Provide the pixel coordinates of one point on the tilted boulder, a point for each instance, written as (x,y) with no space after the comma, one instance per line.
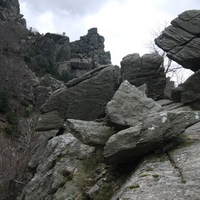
(156,131)
(90,132)
(86,99)
(190,94)
(129,106)
(181,40)
(146,69)
(174,175)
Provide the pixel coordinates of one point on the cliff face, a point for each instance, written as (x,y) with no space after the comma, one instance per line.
(10,11)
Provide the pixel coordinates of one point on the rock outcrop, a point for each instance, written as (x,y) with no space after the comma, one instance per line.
(169,132)
(10,11)
(55,46)
(74,58)
(145,70)
(181,40)
(129,106)
(87,98)
(91,46)
(173,175)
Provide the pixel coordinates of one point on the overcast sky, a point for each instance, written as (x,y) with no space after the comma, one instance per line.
(127,25)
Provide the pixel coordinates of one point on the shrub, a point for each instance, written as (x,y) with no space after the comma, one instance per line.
(4,102)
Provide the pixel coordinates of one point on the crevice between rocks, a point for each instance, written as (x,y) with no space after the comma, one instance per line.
(176,167)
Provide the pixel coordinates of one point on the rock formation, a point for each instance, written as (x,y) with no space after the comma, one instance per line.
(168,131)
(181,40)
(75,58)
(145,70)
(86,99)
(10,11)
(104,135)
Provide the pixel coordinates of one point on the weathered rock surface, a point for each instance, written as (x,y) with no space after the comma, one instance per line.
(87,99)
(156,131)
(49,121)
(174,175)
(130,106)
(188,92)
(181,40)
(60,174)
(69,169)
(91,46)
(145,70)
(55,46)
(90,132)
(10,11)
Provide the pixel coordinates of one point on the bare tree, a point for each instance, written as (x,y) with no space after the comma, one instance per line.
(172,70)
(14,157)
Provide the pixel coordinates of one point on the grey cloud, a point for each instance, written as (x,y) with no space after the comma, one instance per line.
(78,7)
(176,7)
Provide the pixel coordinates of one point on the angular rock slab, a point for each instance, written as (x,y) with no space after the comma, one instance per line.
(90,132)
(87,99)
(60,170)
(145,70)
(49,121)
(129,106)
(156,132)
(181,40)
(168,176)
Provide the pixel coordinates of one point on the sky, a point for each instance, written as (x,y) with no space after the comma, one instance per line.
(128,26)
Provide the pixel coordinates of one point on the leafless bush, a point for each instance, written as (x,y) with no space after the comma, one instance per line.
(14,157)
(172,70)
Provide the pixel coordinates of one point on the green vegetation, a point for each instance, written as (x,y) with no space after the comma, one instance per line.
(155,175)
(133,186)
(4,102)
(43,65)
(149,169)
(105,193)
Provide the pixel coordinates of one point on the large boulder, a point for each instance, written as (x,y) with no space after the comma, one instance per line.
(87,97)
(174,175)
(188,93)
(60,168)
(90,132)
(181,40)
(91,46)
(156,132)
(145,69)
(129,106)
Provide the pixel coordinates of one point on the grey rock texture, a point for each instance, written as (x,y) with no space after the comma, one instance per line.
(49,121)
(181,39)
(10,11)
(146,69)
(129,106)
(188,92)
(55,46)
(91,46)
(59,171)
(68,169)
(173,175)
(157,130)
(90,132)
(73,59)
(87,99)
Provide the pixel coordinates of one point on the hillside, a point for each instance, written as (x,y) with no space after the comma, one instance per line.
(74,126)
